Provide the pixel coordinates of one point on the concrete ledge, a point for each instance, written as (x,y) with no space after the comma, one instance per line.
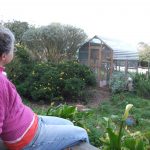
(84,146)
(81,146)
(2,147)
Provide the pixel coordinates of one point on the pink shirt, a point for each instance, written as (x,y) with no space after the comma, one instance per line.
(15,117)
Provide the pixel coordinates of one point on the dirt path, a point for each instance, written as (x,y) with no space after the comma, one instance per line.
(99,95)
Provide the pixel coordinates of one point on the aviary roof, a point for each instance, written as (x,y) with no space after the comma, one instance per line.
(121,50)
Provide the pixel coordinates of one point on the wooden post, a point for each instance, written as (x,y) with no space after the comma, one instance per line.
(100,63)
(115,62)
(119,65)
(148,68)
(126,67)
(137,68)
(89,55)
(111,64)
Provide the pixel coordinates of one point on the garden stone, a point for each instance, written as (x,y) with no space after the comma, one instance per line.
(84,146)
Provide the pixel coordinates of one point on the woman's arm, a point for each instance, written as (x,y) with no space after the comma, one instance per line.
(1,112)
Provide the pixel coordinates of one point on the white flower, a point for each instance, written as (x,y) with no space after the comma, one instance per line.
(126,113)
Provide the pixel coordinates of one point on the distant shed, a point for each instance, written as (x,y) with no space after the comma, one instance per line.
(104,55)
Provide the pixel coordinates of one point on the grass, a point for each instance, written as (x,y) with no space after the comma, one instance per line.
(114,108)
(94,122)
(40,109)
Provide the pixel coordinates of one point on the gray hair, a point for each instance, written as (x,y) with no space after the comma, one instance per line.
(7,40)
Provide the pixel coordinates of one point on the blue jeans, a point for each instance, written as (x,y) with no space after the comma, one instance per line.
(2,146)
(56,134)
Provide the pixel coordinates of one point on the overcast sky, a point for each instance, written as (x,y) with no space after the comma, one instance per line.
(127,20)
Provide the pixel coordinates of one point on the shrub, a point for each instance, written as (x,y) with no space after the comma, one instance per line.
(51,82)
(142,85)
(20,68)
(72,69)
(73,88)
(120,138)
(118,82)
(66,80)
(43,82)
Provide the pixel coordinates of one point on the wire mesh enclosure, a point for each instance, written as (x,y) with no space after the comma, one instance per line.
(104,56)
(99,57)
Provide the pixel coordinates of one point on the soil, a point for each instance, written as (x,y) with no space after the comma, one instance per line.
(99,95)
(95,97)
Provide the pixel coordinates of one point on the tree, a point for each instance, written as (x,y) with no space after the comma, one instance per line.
(144,51)
(54,42)
(18,28)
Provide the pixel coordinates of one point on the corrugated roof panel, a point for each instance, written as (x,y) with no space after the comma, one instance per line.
(122,50)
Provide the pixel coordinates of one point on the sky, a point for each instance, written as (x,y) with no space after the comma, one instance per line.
(126,20)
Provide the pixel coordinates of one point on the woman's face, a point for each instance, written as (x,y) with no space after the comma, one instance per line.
(10,55)
(7,57)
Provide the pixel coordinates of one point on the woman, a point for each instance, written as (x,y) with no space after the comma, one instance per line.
(20,127)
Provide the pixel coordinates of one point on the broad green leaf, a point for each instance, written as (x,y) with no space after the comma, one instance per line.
(113,139)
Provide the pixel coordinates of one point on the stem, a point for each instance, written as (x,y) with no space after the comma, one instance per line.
(119,135)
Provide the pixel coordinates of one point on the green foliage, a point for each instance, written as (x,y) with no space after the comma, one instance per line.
(63,111)
(69,69)
(66,80)
(54,42)
(142,85)
(122,138)
(18,28)
(105,132)
(144,52)
(19,69)
(50,82)
(95,121)
(73,87)
(68,112)
(43,82)
(143,63)
(78,118)
(118,82)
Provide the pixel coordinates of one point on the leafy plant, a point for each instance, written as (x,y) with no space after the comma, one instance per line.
(73,88)
(68,112)
(123,139)
(95,124)
(63,111)
(50,82)
(142,85)
(118,82)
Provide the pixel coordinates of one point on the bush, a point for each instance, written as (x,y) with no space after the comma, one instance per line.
(43,82)
(118,82)
(73,88)
(19,69)
(66,80)
(51,82)
(21,66)
(72,69)
(142,85)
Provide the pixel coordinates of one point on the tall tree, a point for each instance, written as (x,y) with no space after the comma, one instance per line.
(144,51)
(55,41)
(18,28)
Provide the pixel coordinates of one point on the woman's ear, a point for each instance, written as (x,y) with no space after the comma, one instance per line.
(3,57)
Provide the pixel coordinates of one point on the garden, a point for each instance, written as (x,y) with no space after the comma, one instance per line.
(53,82)
(55,89)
